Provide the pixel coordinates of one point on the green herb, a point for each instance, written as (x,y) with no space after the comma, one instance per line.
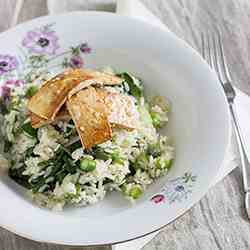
(135,86)
(29,152)
(75,146)
(65,150)
(75,50)
(141,161)
(3,106)
(156,120)
(27,128)
(12,162)
(65,63)
(31,91)
(40,182)
(99,153)
(7,146)
(61,175)
(132,169)
(135,192)
(70,166)
(154,149)
(56,168)
(44,164)
(17,175)
(87,165)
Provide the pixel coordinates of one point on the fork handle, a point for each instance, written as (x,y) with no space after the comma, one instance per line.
(243,156)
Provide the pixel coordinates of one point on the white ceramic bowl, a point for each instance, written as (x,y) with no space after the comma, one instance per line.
(199,124)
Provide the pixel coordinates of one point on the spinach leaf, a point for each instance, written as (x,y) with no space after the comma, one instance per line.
(39,183)
(17,175)
(75,146)
(7,146)
(99,153)
(27,128)
(29,152)
(135,85)
(3,106)
(69,166)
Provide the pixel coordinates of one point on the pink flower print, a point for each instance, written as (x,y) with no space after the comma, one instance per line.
(158,198)
(42,41)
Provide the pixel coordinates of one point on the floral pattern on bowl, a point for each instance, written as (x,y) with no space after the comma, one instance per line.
(176,189)
(40,50)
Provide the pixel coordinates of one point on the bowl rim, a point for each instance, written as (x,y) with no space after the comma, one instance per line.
(194,201)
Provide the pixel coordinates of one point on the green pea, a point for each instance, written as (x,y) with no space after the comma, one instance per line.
(115,155)
(163,164)
(168,163)
(87,165)
(156,119)
(135,192)
(31,91)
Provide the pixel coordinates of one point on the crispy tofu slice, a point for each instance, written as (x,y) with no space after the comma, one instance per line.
(99,79)
(106,78)
(89,115)
(52,95)
(120,108)
(85,84)
(37,121)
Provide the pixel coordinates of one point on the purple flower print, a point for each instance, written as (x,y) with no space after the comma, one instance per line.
(179,188)
(5,89)
(41,41)
(76,62)
(14,83)
(7,63)
(84,48)
(5,92)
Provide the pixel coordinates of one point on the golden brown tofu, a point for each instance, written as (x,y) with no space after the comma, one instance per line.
(106,78)
(120,108)
(53,94)
(89,115)
(37,121)
(99,80)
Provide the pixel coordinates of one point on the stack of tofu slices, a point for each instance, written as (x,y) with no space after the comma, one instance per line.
(81,95)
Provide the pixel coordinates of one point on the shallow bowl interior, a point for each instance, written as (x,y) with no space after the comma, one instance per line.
(199,127)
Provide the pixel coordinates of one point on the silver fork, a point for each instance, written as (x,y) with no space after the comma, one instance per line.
(213,53)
